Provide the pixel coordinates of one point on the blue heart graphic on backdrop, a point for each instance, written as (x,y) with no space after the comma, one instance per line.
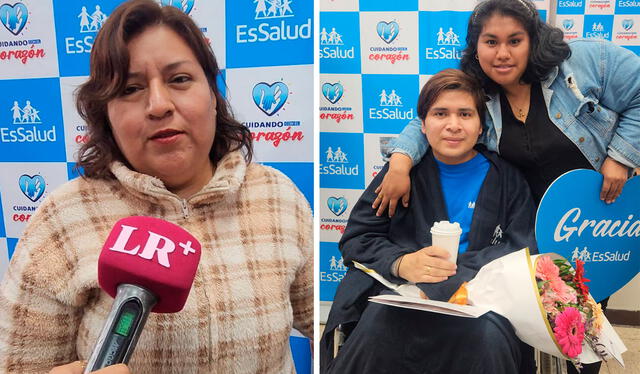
(337,205)
(567,24)
(270,97)
(14,17)
(627,24)
(573,222)
(184,5)
(332,92)
(388,31)
(32,186)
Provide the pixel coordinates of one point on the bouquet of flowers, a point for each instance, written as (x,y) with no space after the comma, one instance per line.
(571,312)
(556,314)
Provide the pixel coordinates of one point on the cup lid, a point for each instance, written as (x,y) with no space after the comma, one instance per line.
(446,227)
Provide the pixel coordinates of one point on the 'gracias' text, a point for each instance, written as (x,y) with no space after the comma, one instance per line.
(601,228)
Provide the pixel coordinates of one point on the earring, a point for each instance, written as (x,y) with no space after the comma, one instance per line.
(477,56)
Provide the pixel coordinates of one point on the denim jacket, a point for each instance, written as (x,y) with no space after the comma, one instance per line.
(593,97)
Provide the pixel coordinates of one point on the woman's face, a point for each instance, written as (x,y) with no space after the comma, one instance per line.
(452,127)
(164,122)
(503,50)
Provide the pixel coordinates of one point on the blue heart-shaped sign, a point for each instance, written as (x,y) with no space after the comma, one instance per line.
(627,24)
(388,31)
(573,222)
(567,24)
(270,97)
(332,92)
(32,186)
(337,205)
(14,17)
(183,5)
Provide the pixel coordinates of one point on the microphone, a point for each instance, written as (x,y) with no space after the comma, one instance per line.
(147,265)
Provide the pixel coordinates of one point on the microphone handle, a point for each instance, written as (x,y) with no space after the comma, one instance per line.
(123,326)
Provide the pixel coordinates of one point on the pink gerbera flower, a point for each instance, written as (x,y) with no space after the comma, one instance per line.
(569,331)
(546,269)
(564,293)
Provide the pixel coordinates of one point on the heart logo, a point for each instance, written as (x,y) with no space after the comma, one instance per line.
(388,31)
(337,205)
(567,24)
(32,186)
(627,24)
(332,92)
(573,222)
(270,97)
(14,17)
(183,5)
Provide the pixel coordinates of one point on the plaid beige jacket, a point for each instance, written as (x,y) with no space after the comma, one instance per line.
(254,282)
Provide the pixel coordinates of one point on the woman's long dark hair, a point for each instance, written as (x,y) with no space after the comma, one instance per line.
(547,47)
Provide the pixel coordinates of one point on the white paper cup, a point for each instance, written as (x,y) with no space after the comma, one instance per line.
(446,235)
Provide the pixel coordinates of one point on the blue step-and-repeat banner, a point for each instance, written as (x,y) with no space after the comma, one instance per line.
(375,56)
(261,46)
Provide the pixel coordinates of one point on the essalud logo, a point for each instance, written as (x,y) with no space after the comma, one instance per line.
(184,5)
(447,42)
(335,264)
(32,186)
(27,115)
(391,104)
(14,17)
(268,32)
(90,21)
(338,161)
(330,43)
(448,38)
(332,92)
(270,98)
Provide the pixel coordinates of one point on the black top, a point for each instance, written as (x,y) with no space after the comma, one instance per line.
(537,147)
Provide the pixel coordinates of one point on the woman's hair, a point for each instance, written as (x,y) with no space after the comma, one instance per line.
(547,49)
(109,69)
(450,79)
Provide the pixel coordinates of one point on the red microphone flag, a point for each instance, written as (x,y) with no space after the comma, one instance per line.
(152,253)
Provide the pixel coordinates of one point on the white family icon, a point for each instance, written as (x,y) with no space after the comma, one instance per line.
(91,22)
(392,99)
(337,264)
(583,255)
(330,38)
(597,27)
(275,9)
(448,38)
(27,114)
(337,156)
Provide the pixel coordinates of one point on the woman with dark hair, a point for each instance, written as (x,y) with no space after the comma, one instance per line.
(163,144)
(552,107)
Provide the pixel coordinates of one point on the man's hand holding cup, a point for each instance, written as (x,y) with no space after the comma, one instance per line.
(427,265)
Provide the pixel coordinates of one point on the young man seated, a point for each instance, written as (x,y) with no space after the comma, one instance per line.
(457,181)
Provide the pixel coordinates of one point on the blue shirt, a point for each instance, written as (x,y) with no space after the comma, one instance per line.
(461,185)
